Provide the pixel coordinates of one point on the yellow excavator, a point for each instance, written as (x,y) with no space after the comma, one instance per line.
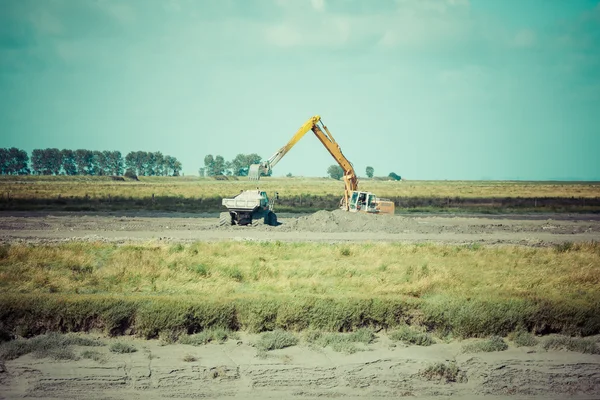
(353,200)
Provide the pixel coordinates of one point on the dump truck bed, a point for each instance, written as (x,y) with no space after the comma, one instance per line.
(241,204)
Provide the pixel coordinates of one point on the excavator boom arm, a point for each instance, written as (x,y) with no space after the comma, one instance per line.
(274,159)
(326,138)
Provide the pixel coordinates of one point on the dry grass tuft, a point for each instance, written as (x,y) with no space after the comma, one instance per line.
(580,345)
(495,343)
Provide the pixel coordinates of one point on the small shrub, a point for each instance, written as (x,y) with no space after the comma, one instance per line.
(4,250)
(189,358)
(53,345)
(234,273)
(201,269)
(312,336)
(93,355)
(521,339)
(177,248)
(411,335)
(277,339)
(563,247)
(344,347)
(342,342)
(345,252)
(362,335)
(209,335)
(494,343)
(443,372)
(580,345)
(120,347)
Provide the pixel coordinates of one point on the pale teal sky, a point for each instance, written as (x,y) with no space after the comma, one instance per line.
(429,89)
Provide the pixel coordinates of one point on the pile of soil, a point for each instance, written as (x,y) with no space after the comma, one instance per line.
(343,221)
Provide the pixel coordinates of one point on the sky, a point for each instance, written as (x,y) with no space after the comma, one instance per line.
(428,89)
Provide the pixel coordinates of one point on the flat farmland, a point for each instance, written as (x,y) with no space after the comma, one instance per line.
(133,287)
(296,194)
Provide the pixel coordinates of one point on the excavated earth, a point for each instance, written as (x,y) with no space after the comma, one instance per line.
(328,226)
(235,370)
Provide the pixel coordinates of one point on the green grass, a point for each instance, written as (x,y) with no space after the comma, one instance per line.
(159,291)
(494,343)
(53,345)
(341,342)
(580,345)
(445,372)
(277,339)
(122,348)
(412,335)
(191,194)
(521,338)
(93,355)
(211,335)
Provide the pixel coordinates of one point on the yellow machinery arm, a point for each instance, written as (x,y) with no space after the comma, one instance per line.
(350,178)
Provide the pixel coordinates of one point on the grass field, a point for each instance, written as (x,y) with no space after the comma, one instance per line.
(154,290)
(296,194)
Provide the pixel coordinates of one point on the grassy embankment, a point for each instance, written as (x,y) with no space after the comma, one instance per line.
(192,194)
(157,289)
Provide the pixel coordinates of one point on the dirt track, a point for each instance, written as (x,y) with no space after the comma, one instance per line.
(532,230)
(384,370)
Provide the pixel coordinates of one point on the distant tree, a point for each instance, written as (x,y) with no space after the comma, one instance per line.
(209,164)
(14,161)
(201,171)
(394,176)
(241,163)
(159,164)
(219,166)
(37,161)
(4,161)
(335,172)
(68,162)
(46,161)
(229,168)
(289,175)
(84,159)
(137,161)
(53,161)
(176,167)
(19,161)
(115,163)
(370,171)
(99,163)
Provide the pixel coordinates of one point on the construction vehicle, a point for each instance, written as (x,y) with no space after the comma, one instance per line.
(353,200)
(250,207)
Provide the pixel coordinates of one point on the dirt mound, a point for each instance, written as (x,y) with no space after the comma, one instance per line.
(343,221)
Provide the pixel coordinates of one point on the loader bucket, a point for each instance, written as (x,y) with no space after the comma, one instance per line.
(254,172)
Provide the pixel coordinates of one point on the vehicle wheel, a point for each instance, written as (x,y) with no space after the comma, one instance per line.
(225,219)
(271,219)
(258,221)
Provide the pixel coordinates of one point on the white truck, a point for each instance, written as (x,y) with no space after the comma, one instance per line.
(250,207)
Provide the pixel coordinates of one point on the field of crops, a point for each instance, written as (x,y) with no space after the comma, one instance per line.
(296,194)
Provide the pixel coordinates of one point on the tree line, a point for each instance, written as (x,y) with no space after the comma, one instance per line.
(53,161)
(337,172)
(239,166)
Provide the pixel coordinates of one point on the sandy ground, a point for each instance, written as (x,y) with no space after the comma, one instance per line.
(233,370)
(533,230)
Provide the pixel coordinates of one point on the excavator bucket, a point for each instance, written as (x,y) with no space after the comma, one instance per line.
(254,172)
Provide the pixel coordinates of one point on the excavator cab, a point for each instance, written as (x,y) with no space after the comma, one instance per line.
(363,201)
(369,203)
